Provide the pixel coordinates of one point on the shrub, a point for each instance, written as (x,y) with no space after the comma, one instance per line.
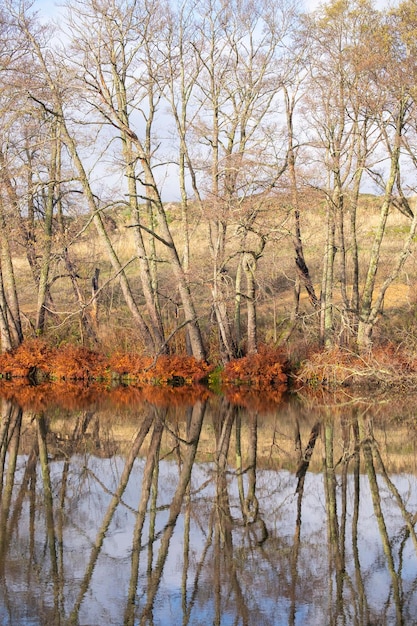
(336,367)
(266,369)
(29,358)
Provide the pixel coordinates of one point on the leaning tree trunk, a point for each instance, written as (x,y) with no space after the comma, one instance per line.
(5,334)
(300,262)
(190,313)
(367,312)
(129,157)
(11,308)
(115,262)
(92,205)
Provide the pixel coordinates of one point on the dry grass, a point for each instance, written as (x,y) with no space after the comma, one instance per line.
(275,274)
(385,367)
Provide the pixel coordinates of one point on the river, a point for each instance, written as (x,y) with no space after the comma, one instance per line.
(210,513)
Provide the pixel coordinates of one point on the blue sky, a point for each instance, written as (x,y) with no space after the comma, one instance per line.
(50,7)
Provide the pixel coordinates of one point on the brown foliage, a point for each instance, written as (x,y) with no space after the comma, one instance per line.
(37,360)
(184,367)
(164,370)
(77,363)
(125,364)
(23,361)
(383,366)
(262,371)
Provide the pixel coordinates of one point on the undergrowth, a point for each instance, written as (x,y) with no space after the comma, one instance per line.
(257,381)
(383,366)
(37,361)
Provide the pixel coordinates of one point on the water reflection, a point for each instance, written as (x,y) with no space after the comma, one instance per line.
(207,514)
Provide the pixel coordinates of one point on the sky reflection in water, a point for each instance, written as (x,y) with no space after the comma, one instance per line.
(196,519)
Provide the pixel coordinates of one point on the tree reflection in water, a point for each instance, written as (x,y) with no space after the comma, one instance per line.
(206,514)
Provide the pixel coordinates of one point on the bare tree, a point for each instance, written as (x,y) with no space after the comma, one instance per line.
(121,79)
(359,120)
(224,107)
(12,54)
(394,73)
(54,81)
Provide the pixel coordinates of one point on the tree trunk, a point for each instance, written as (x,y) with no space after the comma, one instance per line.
(300,262)
(238,305)
(149,290)
(5,334)
(227,345)
(10,305)
(326,297)
(43,288)
(367,316)
(249,265)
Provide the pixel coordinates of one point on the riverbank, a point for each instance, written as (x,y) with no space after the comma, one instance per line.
(255,380)
(37,361)
(270,370)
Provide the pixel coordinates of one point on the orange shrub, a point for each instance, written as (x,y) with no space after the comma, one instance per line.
(165,369)
(168,368)
(30,356)
(260,371)
(125,364)
(78,363)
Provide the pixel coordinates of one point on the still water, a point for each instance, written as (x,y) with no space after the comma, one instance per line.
(209,513)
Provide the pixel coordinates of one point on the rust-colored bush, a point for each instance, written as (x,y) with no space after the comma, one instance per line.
(163,370)
(23,361)
(36,359)
(170,368)
(77,363)
(128,364)
(265,370)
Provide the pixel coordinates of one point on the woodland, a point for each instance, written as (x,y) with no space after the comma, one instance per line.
(230,183)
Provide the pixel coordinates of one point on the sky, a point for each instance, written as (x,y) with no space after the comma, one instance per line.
(50,7)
